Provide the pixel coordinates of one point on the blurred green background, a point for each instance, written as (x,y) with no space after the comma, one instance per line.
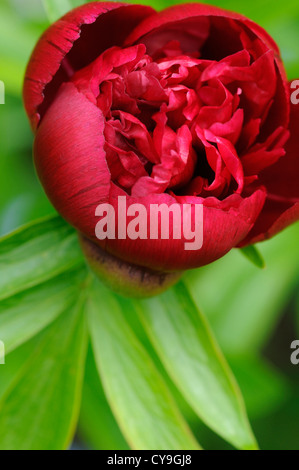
(254,313)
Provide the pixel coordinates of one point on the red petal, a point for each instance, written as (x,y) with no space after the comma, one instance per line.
(70,158)
(193,10)
(59,52)
(282,184)
(225,223)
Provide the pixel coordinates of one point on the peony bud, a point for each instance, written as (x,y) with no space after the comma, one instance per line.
(188,106)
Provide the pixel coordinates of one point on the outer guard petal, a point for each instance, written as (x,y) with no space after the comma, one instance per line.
(224,225)
(70,159)
(72,43)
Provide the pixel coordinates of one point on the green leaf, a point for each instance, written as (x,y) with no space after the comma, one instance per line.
(14,365)
(97,425)
(244,304)
(142,404)
(188,350)
(264,388)
(26,314)
(57,8)
(36,253)
(39,409)
(253,254)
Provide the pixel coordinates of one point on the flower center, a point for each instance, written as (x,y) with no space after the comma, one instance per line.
(183,124)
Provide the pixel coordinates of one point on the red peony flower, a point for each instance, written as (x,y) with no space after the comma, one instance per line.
(187,106)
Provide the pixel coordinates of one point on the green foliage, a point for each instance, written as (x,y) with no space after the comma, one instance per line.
(244,304)
(252,253)
(191,356)
(35,254)
(45,393)
(23,315)
(59,292)
(142,404)
(57,8)
(94,410)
